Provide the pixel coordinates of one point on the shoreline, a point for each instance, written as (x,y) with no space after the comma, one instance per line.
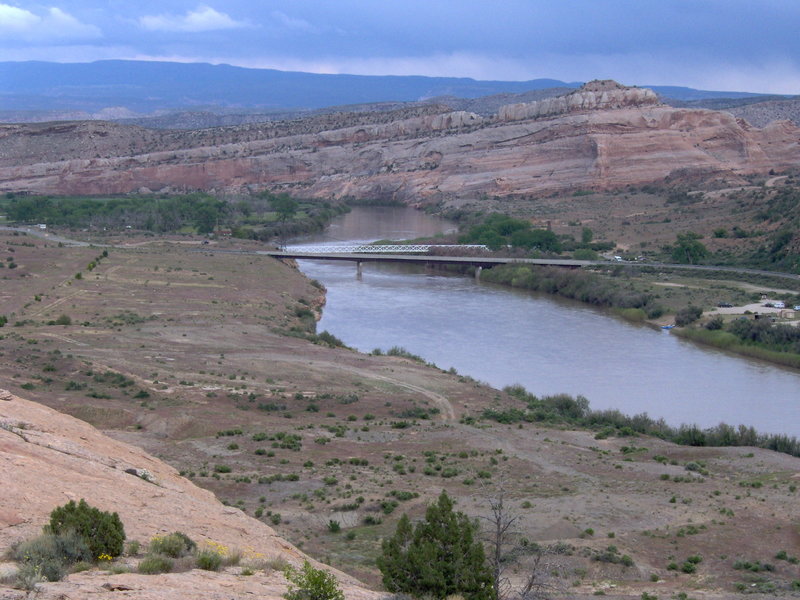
(639,315)
(725,341)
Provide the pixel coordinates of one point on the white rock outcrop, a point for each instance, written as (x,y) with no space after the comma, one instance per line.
(595,95)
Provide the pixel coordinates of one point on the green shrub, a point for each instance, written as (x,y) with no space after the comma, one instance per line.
(50,556)
(687,315)
(102,531)
(309,583)
(403,495)
(152,565)
(173,545)
(133,548)
(209,560)
(585,254)
(611,555)
(28,575)
(695,559)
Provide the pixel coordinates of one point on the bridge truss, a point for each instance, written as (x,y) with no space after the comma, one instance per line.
(382,248)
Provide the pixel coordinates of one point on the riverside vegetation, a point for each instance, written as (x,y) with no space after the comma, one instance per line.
(563,409)
(263,216)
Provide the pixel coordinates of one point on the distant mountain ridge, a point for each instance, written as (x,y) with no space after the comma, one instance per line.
(147,86)
(127,88)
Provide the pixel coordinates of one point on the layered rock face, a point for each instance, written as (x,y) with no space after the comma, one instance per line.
(595,95)
(603,136)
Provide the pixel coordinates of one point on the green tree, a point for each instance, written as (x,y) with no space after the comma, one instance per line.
(207,216)
(540,239)
(586,236)
(688,249)
(440,556)
(102,531)
(284,205)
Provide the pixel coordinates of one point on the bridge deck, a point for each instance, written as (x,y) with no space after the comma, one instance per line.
(488,262)
(475,261)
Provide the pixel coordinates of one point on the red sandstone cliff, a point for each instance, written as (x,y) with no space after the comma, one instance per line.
(602,136)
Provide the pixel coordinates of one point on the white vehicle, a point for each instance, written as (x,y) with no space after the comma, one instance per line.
(779,304)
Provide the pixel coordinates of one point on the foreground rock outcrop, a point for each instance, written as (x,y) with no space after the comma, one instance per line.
(47,459)
(603,136)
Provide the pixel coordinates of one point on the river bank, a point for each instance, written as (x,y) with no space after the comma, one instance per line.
(730,343)
(640,301)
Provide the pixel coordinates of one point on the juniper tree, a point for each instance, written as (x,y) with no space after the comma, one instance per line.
(439,556)
(102,531)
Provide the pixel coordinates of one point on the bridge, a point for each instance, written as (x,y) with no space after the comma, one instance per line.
(367,253)
(385,248)
(414,254)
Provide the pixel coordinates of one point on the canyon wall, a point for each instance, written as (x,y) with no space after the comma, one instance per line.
(603,136)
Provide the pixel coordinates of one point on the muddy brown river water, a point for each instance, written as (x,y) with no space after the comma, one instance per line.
(549,345)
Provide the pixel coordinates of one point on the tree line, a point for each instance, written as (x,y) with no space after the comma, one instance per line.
(260,216)
(575,284)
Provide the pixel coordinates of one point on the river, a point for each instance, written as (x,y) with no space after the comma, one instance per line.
(549,345)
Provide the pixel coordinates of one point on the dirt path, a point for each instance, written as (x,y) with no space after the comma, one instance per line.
(64,338)
(442,403)
(51,305)
(773,180)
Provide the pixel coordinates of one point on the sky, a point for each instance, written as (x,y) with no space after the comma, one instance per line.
(733,45)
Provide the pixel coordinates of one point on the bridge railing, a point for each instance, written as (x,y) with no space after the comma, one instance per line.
(382,248)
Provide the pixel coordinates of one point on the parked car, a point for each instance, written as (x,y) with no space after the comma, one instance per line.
(725,305)
(779,304)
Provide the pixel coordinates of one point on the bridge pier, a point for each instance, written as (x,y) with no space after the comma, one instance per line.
(478,270)
(358,269)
